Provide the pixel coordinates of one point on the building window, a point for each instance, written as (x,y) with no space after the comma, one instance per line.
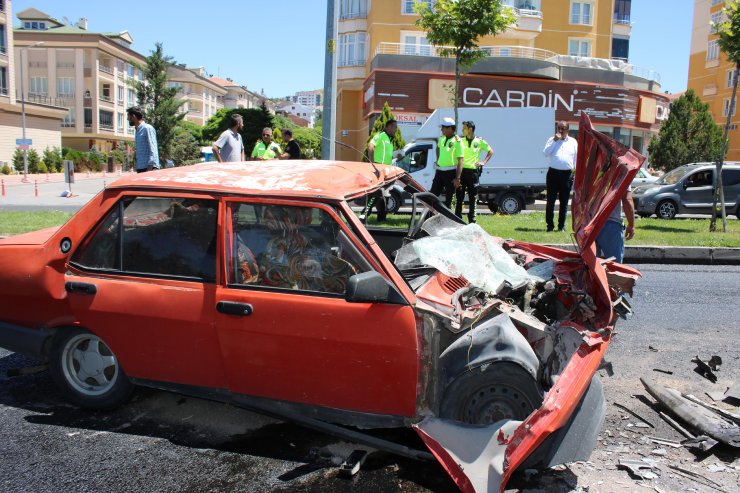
(580,13)
(3,81)
(350,9)
(69,118)
(38,86)
(620,49)
(579,47)
(38,26)
(726,107)
(130,70)
(106,119)
(730,78)
(415,44)
(407,6)
(715,22)
(713,51)
(119,117)
(65,87)
(131,97)
(3,43)
(352,49)
(622,11)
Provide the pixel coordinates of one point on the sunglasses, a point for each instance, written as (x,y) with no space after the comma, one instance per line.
(562,128)
(266,135)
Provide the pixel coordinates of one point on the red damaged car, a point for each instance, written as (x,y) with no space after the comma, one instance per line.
(258,285)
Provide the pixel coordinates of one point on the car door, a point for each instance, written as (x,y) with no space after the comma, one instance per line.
(698,192)
(285,329)
(144,281)
(419,163)
(731,188)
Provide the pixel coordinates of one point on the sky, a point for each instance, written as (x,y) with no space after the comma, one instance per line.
(279,46)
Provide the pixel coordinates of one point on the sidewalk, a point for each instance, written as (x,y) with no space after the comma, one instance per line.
(22,196)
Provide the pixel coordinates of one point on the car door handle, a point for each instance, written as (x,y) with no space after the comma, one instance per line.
(80,287)
(234,308)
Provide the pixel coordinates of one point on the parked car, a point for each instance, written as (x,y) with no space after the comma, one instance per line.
(689,189)
(235,282)
(643,178)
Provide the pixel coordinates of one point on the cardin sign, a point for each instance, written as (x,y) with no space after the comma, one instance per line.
(606,105)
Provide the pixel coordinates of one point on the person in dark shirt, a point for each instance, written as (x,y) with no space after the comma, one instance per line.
(292,149)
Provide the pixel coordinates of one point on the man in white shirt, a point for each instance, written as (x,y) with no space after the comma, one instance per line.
(229,147)
(560,151)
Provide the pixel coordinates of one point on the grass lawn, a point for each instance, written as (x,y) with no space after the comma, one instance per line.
(523,227)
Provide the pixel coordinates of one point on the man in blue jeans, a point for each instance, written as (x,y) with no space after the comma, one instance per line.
(610,242)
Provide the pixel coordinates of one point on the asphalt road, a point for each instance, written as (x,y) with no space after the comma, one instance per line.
(166,442)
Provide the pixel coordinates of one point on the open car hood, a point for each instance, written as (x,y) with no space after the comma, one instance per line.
(604,170)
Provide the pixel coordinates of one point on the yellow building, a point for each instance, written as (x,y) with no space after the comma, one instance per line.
(710,73)
(557,47)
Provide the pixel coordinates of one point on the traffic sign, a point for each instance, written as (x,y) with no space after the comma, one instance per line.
(23,147)
(23,142)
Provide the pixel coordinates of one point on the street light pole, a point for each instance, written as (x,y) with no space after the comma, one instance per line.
(23,113)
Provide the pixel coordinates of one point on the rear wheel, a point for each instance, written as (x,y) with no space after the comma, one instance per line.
(86,370)
(510,203)
(502,390)
(666,209)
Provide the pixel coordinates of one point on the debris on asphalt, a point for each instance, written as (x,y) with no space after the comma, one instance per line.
(633,413)
(698,416)
(696,477)
(733,393)
(652,349)
(666,442)
(638,468)
(667,372)
(716,396)
(701,443)
(722,412)
(676,425)
(659,452)
(351,465)
(714,362)
(705,370)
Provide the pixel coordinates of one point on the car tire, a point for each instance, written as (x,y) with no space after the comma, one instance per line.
(487,394)
(666,209)
(86,370)
(644,214)
(737,212)
(393,202)
(493,206)
(510,203)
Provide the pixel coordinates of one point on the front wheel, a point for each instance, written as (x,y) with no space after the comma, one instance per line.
(666,209)
(503,390)
(493,206)
(86,370)
(393,202)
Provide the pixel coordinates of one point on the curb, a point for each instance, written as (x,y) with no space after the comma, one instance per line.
(645,254)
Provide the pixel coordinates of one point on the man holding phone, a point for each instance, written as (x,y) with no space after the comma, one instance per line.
(560,151)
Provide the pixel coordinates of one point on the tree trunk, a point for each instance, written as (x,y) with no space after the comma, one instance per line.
(719,194)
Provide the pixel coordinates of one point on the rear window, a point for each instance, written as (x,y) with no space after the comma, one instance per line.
(730,177)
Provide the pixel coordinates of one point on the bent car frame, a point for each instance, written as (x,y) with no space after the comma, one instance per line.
(244,283)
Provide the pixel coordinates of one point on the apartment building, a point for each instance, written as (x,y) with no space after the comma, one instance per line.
(710,73)
(572,55)
(238,96)
(87,72)
(42,120)
(313,99)
(302,111)
(201,97)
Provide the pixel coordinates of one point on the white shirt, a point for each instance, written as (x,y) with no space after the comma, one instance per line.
(561,153)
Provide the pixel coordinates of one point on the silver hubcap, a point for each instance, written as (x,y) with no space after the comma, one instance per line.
(509,205)
(89,365)
(667,209)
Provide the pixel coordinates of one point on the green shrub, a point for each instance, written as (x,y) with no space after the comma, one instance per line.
(5,169)
(53,159)
(18,160)
(42,168)
(33,161)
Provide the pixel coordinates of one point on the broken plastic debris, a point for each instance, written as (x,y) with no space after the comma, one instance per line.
(705,370)
(639,468)
(463,251)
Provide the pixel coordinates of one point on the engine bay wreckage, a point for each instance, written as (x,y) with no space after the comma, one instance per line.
(520,330)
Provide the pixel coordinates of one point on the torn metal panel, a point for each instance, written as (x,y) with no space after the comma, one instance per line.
(472,455)
(698,416)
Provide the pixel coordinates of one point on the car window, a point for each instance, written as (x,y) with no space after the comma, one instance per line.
(289,247)
(673,176)
(700,179)
(415,159)
(155,236)
(730,177)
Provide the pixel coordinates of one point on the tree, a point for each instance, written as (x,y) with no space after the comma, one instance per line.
(158,102)
(309,139)
(688,135)
(378,126)
(729,43)
(53,159)
(458,25)
(185,149)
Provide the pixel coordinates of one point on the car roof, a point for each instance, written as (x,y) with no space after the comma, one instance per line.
(293,178)
(726,163)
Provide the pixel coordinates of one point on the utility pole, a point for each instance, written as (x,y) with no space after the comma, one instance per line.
(330,82)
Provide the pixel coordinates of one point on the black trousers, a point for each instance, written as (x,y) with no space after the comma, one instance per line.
(559,183)
(468,184)
(443,183)
(378,201)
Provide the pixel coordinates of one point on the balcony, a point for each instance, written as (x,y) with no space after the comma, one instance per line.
(622,25)
(105,126)
(65,65)
(68,124)
(357,14)
(517,61)
(106,69)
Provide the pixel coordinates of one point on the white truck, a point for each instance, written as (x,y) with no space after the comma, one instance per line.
(516,173)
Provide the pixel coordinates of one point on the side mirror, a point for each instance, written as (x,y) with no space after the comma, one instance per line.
(370,287)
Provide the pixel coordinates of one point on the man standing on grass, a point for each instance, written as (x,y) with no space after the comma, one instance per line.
(561,152)
(380,150)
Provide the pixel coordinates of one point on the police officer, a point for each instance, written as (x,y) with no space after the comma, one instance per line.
(449,164)
(473,146)
(265,148)
(380,148)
